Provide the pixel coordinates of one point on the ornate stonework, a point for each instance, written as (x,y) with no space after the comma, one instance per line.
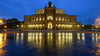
(50,18)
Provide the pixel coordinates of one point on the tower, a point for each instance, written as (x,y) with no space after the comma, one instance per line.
(50,4)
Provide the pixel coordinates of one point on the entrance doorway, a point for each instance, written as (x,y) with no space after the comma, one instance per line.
(50,26)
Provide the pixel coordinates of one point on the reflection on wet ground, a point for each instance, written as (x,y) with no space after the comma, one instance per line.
(3,44)
(50,44)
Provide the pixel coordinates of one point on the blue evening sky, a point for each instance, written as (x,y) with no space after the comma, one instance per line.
(86,10)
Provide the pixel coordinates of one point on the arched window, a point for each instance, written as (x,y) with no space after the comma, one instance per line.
(40,19)
(43,18)
(56,18)
(49,18)
(50,26)
(37,19)
(59,18)
(63,19)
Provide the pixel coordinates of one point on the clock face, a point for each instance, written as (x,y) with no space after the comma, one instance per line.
(49,18)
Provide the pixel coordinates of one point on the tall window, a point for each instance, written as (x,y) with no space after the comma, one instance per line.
(59,18)
(37,19)
(56,18)
(62,19)
(43,18)
(40,19)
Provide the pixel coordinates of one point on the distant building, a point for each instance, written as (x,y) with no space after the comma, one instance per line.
(13,23)
(88,27)
(2,21)
(97,23)
(50,18)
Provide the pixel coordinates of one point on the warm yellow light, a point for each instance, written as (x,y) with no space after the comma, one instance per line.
(59,19)
(62,34)
(49,18)
(40,33)
(30,36)
(17,25)
(1,36)
(22,26)
(59,25)
(40,19)
(70,34)
(96,26)
(36,33)
(78,36)
(50,34)
(56,19)
(5,26)
(83,36)
(2,41)
(1,21)
(43,24)
(63,19)
(82,25)
(66,34)
(69,26)
(40,25)
(36,19)
(43,19)
(56,24)
(97,23)
(78,25)
(59,34)
(50,25)
(37,25)
(30,26)
(62,25)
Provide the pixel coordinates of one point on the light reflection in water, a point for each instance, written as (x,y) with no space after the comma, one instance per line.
(60,43)
(22,38)
(17,37)
(96,42)
(81,36)
(50,39)
(30,36)
(35,39)
(93,37)
(97,53)
(78,36)
(63,39)
(97,37)
(2,43)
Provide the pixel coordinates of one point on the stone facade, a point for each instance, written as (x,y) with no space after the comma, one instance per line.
(50,18)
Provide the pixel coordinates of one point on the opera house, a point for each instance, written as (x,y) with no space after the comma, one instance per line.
(50,18)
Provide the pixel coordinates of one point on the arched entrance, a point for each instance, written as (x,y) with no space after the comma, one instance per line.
(50,26)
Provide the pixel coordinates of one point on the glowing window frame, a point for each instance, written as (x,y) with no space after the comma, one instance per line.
(49,18)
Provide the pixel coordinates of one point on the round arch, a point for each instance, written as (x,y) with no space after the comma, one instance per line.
(50,26)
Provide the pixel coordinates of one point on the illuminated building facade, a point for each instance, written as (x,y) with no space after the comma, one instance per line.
(97,23)
(50,18)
